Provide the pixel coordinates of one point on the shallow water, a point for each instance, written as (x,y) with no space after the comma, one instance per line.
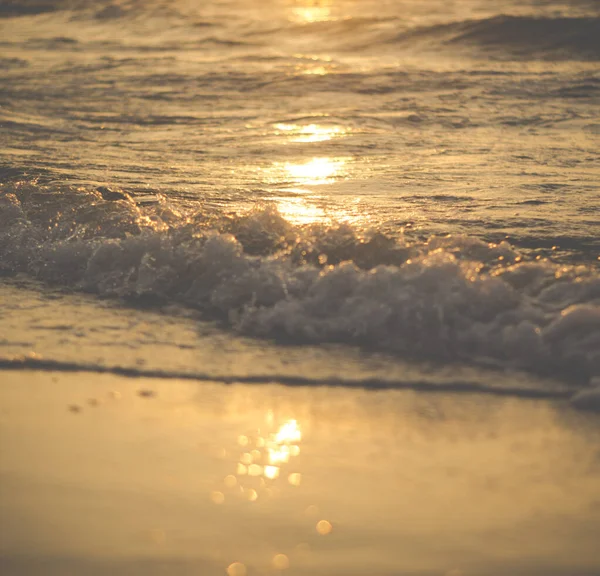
(413,179)
(103,475)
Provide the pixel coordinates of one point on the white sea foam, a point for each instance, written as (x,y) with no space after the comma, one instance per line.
(448,299)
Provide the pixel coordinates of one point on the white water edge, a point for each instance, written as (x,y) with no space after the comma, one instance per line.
(54,330)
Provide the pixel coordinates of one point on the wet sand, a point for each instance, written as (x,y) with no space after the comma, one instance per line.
(107,475)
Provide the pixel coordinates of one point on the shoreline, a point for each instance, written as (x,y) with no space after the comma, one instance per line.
(36,364)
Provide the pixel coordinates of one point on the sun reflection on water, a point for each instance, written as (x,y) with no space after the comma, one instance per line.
(299,211)
(313,172)
(310,132)
(309,14)
(315,71)
(249,480)
(274,444)
(316,171)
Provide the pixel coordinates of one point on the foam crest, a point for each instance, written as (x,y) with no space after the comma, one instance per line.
(448,299)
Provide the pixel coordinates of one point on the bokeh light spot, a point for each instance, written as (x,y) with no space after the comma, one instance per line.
(236,569)
(217,497)
(230,481)
(271,472)
(324,527)
(295,479)
(281,562)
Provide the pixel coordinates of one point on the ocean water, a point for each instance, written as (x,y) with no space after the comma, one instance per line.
(357,192)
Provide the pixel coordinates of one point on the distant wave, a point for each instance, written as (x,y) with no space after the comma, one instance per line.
(522,36)
(503,36)
(98,9)
(448,299)
(10,8)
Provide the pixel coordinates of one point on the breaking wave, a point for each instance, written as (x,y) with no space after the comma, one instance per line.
(446,299)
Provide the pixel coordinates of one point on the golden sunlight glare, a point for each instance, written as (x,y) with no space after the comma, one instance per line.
(316,171)
(311,132)
(298,211)
(288,433)
(308,14)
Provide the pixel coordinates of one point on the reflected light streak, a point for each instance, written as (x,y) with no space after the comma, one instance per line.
(289,433)
(298,211)
(316,171)
(279,455)
(271,472)
(316,71)
(311,132)
(250,479)
(308,14)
